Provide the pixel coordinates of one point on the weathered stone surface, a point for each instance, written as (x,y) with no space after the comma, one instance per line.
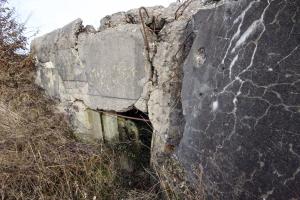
(114,66)
(86,122)
(241,100)
(165,110)
(105,70)
(111,129)
(65,38)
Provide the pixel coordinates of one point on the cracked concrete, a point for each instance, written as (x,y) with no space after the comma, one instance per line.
(108,69)
(92,66)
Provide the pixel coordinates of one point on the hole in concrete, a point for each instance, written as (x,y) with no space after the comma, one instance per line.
(134,148)
(141,121)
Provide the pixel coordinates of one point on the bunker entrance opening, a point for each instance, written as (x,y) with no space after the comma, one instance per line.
(136,130)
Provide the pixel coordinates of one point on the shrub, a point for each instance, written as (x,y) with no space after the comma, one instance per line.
(11,34)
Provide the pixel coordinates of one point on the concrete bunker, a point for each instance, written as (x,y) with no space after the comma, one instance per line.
(100,76)
(218,96)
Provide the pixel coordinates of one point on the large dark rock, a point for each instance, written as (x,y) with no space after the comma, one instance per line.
(241,99)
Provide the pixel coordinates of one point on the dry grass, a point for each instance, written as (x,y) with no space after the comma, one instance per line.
(175,183)
(39,158)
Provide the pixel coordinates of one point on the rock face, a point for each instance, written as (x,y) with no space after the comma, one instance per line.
(241,100)
(219,81)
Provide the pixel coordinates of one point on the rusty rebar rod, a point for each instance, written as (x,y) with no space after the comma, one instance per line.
(183,6)
(124,116)
(146,41)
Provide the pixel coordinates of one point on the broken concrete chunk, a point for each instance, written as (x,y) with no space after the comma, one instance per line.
(63,38)
(108,65)
(110,128)
(87,123)
(96,125)
(114,64)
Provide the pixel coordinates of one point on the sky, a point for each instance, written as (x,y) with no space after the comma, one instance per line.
(43,16)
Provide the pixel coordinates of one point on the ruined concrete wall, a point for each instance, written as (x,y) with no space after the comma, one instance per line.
(220,84)
(112,70)
(97,68)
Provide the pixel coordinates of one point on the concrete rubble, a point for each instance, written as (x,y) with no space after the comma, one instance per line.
(110,70)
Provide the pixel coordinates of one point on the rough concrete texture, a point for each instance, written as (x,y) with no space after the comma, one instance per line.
(105,70)
(241,101)
(108,69)
(110,126)
(87,122)
(169,46)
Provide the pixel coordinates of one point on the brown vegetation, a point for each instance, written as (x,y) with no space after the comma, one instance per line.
(39,157)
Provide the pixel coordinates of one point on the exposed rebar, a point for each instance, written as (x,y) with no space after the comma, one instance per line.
(146,41)
(124,116)
(182,8)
